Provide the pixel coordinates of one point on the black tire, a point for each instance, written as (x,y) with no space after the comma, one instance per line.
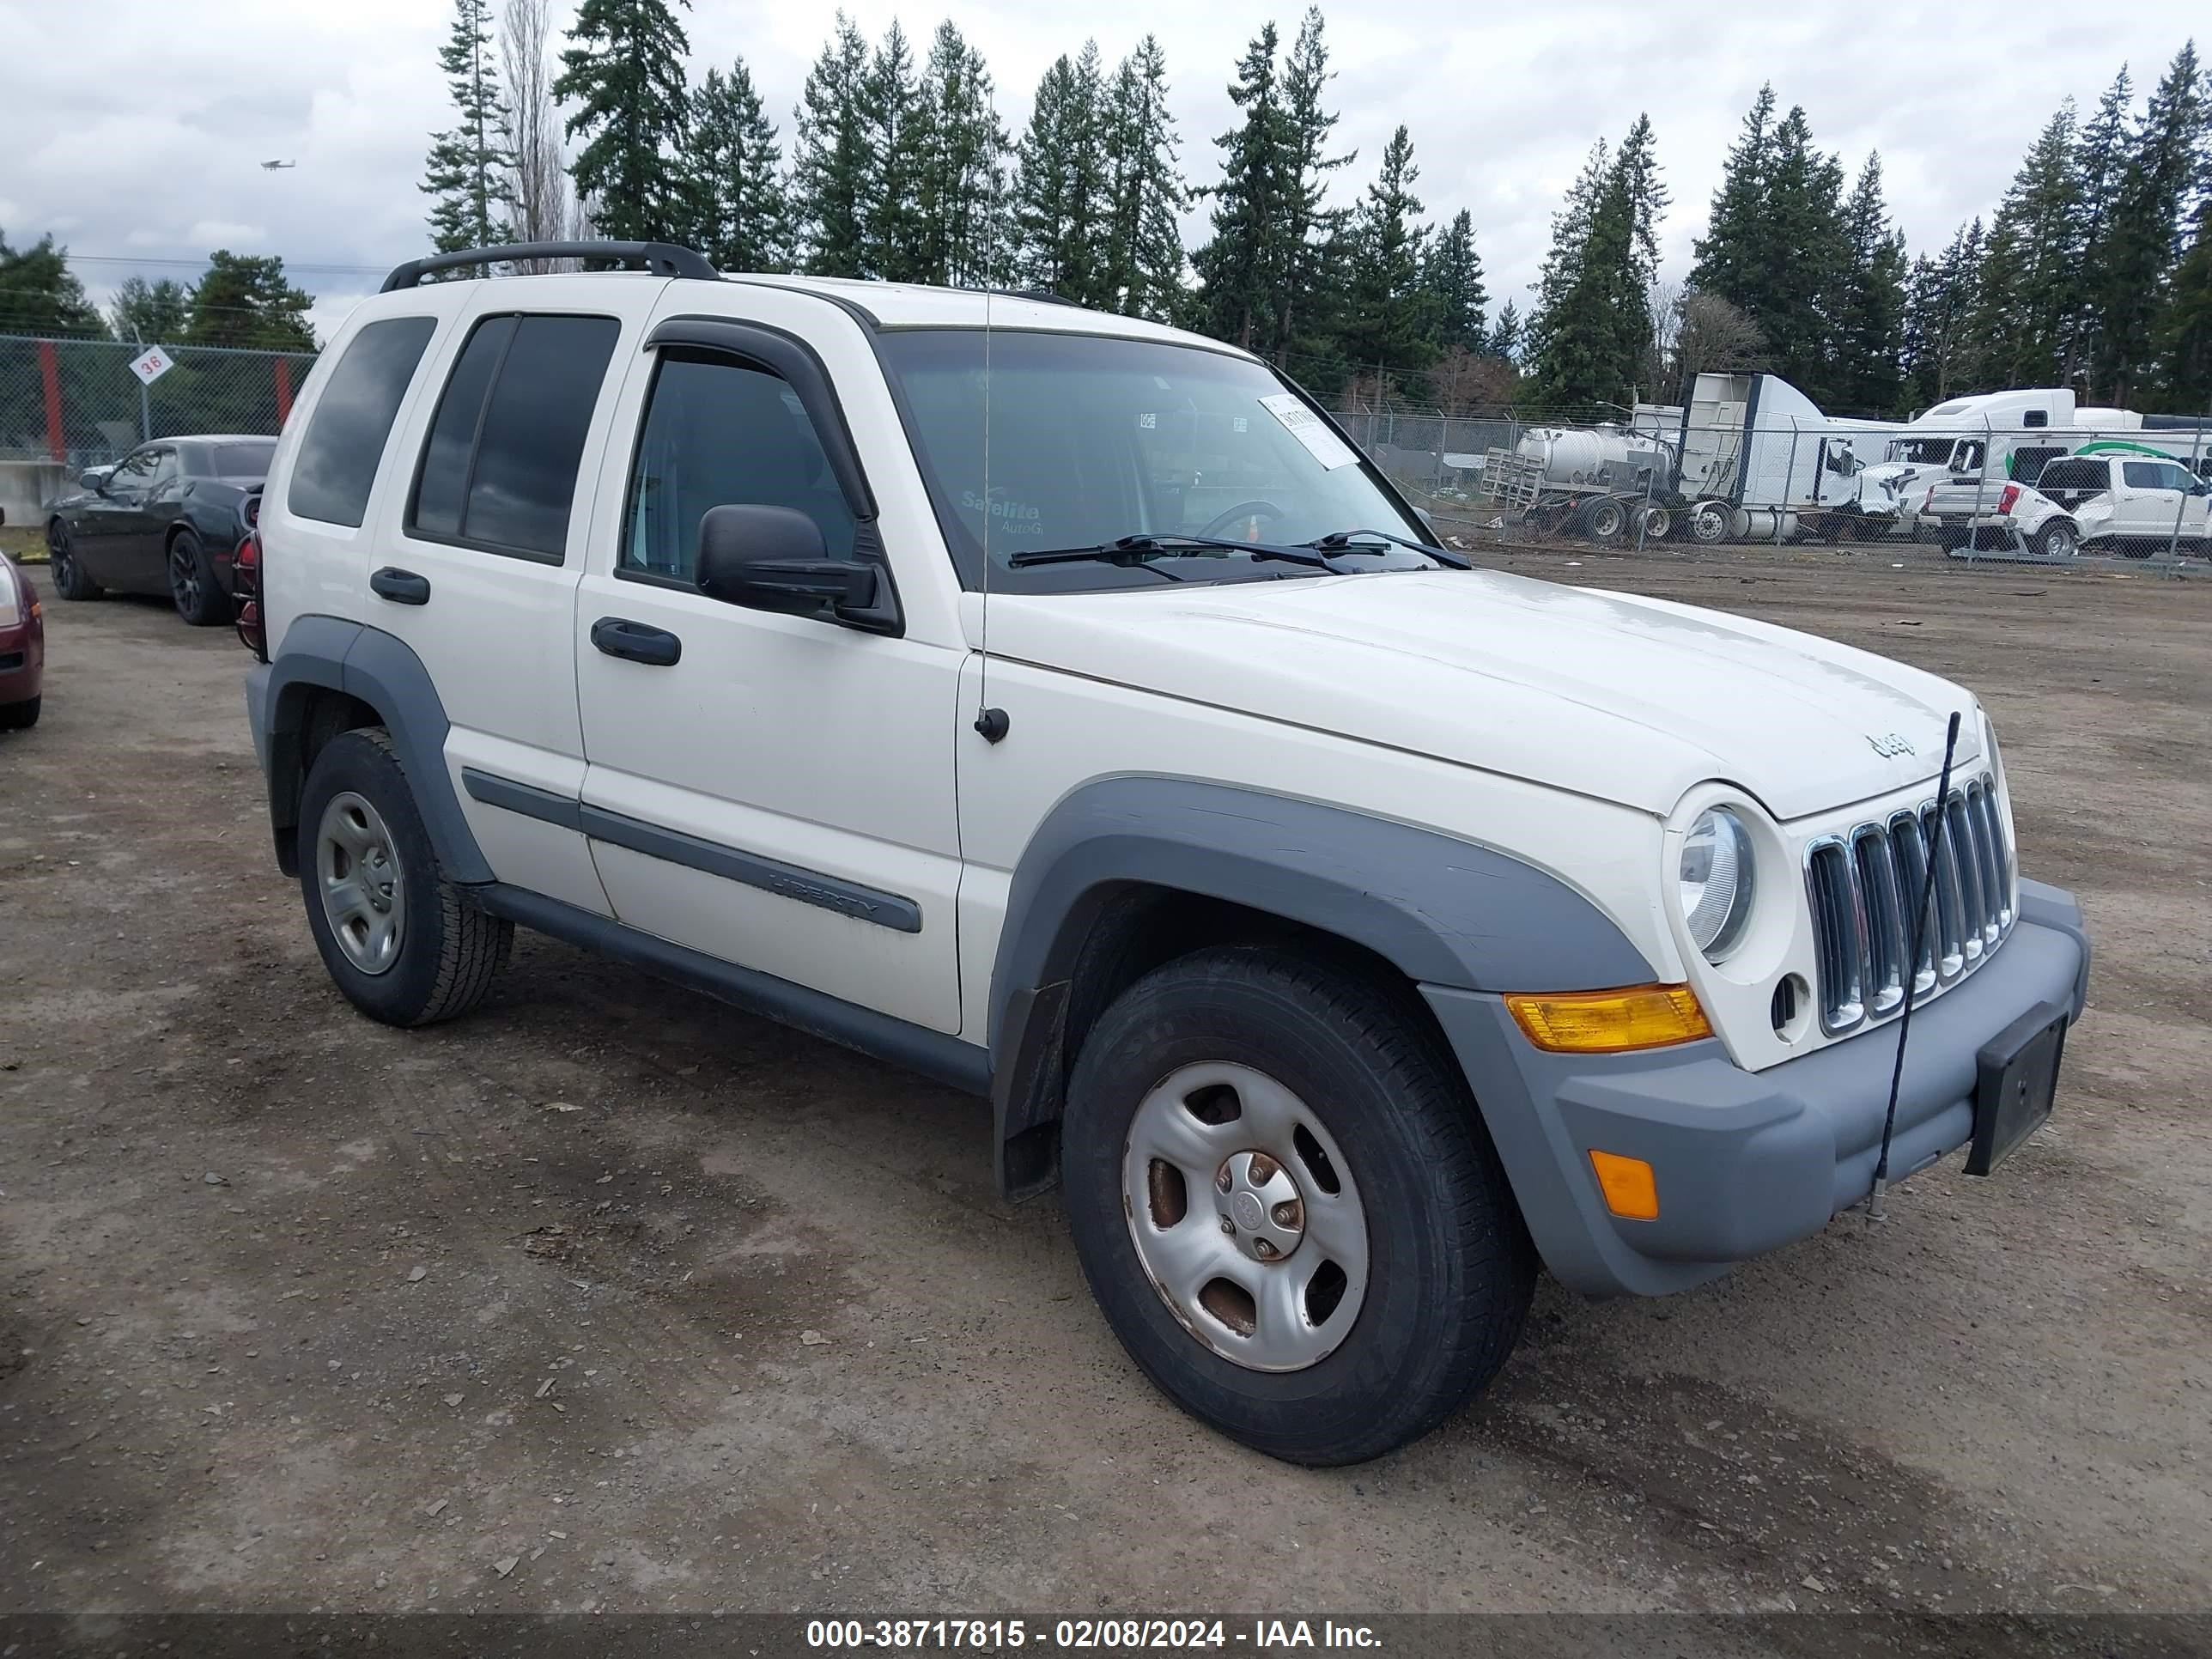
(449,950)
(194,589)
(70,581)
(2057,540)
(1451,1268)
(20,716)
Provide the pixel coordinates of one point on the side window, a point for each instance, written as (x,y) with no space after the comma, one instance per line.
(499,468)
(718,433)
(2027,465)
(336,467)
(2036,417)
(136,471)
(2143,474)
(165,469)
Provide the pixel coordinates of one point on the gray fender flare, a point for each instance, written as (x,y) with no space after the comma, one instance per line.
(1443,911)
(383,672)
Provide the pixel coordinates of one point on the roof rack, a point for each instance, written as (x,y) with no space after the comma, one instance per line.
(1043,296)
(662,258)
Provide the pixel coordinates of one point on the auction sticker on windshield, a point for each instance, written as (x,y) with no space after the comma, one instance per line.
(1309,429)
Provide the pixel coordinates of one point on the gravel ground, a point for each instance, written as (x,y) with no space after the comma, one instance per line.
(610,1298)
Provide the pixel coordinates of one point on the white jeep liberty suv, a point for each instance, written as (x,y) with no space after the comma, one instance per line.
(1056,705)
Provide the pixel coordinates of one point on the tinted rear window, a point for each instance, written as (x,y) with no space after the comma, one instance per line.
(2073,475)
(241,460)
(337,464)
(499,470)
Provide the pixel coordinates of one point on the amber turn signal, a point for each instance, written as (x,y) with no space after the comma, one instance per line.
(1631,1190)
(1610,1022)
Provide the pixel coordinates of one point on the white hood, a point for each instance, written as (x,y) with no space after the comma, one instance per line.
(1624,699)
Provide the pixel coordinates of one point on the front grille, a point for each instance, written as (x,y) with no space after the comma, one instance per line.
(1863,887)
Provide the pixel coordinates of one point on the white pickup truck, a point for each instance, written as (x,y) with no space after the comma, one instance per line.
(1058,705)
(2134,503)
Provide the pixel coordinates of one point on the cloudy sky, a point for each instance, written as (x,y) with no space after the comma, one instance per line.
(132,129)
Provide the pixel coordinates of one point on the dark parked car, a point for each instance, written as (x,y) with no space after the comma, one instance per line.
(166,519)
(22,647)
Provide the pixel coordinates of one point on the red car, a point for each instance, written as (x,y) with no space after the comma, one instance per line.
(22,647)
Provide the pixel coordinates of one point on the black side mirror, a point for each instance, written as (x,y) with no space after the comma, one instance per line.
(773,558)
(94,479)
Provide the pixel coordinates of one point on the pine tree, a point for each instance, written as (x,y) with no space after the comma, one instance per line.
(2163,168)
(960,195)
(625,73)
(1940,300)
(470,165)
(2030,265)
(1639,165)
(1061,211)
(244,300)
(1315,250)
(1388,317)
(2185,334)
(1592,328)
(2100,156)
(833,168)
(153,312)
(1240,266)
(892,231)
(1145,188)
(1732,253)
(40,294)
(741,220)
(1452,273)
(1506,334)
(1869,314)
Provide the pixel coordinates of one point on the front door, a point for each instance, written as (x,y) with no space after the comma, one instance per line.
(105,532)
(774,790)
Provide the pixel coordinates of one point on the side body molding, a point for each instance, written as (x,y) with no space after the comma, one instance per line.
(384,673)
(1442,910)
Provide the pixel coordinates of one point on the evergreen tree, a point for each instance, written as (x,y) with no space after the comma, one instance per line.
(243,299)
(2100,156)
(2185,335)
(1639,165)
(2163,169)
(1941,300)
(832,167)
(625,74)
(1593,327)
(2030,266)
(1061,210)
(960,195)
(1315,252)
(1731,253)
(470,165)
(1452,273)
(1869,315)
(1239,265)
(1505,335)
(154,312)
(40,295)
(1146,190)
(893,234)
(740,219)
(1389,315)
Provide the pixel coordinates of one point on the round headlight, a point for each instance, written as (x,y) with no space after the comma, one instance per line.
(1716,881)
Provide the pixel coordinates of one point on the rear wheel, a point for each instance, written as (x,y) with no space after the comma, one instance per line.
(2056,540)
(1604,520)
(405,945)
(1287,1207)
(200,597)
(70,581)
(1657,523)
(17,716)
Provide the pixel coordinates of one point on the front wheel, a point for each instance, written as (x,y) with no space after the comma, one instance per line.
(1287,1207)
(1709,523)
(71,581)
(405,945)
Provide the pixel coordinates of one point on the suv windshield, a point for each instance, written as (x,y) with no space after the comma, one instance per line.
(1094,438)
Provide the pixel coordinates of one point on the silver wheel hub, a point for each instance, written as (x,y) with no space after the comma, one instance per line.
(1245,1216)
(362,887)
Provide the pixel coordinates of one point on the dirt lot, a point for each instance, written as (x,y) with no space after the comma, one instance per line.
(610,1298)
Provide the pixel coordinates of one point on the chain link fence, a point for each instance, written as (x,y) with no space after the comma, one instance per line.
(2127,495)
(75,403)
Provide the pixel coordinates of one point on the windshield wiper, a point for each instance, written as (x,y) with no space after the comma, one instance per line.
(1339,541)
(1137,549)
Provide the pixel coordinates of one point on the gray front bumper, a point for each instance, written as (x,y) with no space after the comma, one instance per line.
(1745,1161)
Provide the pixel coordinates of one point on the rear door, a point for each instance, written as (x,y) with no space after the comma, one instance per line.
(480,545)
